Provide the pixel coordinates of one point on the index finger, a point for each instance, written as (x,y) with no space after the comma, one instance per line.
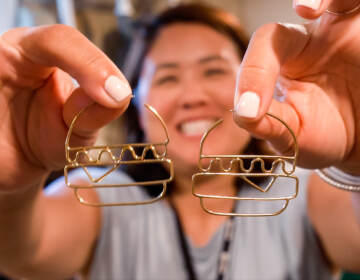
(311,9)
(269,51)
(270,48)
(65,47)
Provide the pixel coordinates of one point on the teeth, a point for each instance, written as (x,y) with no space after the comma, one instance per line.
(197,127)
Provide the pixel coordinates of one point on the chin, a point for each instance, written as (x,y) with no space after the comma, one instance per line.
(185,163)
(186,171)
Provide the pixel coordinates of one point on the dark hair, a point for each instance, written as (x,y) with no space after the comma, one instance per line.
(215,18)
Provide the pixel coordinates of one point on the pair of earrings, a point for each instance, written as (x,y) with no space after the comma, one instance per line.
(86,157)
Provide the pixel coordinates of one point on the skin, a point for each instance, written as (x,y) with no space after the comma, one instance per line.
(318,66)
(279,53)
(190,79)
(37,102)
(185,78)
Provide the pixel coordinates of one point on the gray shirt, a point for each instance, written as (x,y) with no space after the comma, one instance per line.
(142,242)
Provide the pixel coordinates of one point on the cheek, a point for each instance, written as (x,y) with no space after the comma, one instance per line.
(163,102)
(223,92)
(152,127)
(225,100)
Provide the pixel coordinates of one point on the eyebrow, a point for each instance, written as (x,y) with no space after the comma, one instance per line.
(211,58)
(174,65)
(170,65)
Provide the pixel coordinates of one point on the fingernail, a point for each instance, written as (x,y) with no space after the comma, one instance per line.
(118,89)
(248,105)
(312,4)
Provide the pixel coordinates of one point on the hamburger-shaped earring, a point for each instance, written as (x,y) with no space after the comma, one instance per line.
(112,157)
(266,183)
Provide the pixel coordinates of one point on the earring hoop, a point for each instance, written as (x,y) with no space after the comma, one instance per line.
(113,156)
(348,12)
(236,168)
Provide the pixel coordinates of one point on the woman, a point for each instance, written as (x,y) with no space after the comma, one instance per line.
(188,75)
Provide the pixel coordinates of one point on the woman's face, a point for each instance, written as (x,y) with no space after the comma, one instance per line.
(189,78)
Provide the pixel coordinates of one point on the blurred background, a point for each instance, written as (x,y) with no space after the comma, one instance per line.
(111,25)
(102,20)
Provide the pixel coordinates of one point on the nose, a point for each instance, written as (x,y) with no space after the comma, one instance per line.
(193,94)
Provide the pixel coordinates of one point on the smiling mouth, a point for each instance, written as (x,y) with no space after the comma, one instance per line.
(196,127)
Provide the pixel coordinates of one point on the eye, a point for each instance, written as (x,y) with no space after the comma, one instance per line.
(166,80)
(215,72)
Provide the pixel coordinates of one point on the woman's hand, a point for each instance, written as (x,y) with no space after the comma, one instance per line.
(38,99)
(316,69)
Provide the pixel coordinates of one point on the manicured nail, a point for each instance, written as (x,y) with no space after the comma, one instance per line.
(312,4)
(248,105)
(118,89)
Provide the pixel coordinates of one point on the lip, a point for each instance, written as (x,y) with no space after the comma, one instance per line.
(193,117)
(180,130)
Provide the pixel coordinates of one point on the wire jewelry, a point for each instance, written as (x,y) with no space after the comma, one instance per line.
(236,168)
(348,12)
(113,156)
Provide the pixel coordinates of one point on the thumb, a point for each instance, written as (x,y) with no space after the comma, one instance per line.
(66,48)
(272,47)
(311,9)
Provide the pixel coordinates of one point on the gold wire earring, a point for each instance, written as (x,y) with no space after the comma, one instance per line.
(113,155)
(236,168)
